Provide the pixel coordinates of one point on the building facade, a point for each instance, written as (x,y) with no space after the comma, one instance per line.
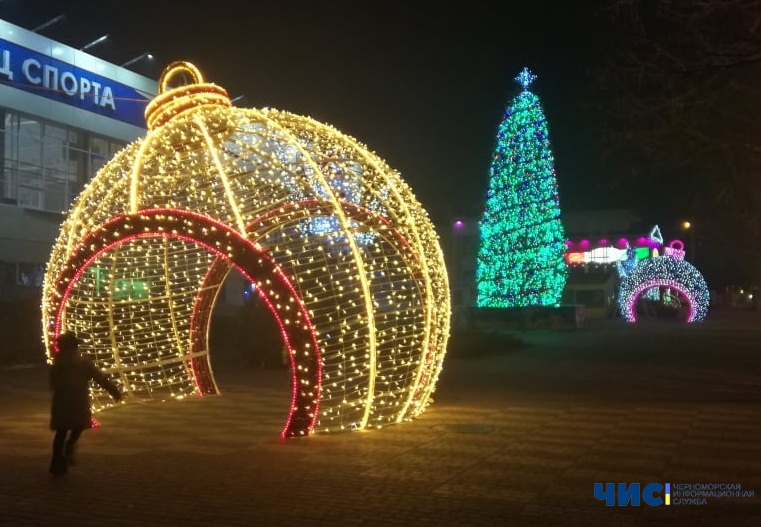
(63,114)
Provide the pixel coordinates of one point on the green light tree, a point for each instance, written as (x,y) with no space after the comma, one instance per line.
(522,239)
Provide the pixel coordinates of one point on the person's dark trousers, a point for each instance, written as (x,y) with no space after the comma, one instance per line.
(63,450)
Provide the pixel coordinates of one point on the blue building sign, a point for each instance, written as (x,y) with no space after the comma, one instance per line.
(33,72)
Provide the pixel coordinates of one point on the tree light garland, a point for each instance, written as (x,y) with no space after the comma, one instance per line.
(338,247)
(522,240)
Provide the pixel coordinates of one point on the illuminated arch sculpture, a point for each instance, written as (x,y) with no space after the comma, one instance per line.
(337,245)
(664,271)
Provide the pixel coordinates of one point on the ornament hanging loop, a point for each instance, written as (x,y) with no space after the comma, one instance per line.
(175,69)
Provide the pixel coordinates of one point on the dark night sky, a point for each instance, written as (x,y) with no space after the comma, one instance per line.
(424,86)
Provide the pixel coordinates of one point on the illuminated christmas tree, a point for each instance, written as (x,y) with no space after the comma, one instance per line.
(522,240)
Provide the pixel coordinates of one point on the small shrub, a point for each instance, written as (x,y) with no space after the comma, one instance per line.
(465,343)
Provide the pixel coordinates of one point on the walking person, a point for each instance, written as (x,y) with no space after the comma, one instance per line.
(70,412)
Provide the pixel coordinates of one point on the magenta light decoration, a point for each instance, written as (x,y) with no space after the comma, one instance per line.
(664,271)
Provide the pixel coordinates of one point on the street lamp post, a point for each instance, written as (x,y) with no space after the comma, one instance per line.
(688,228)
(137,59)
(49,23)
(94,43)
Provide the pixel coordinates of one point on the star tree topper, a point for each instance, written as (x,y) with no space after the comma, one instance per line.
(525,78)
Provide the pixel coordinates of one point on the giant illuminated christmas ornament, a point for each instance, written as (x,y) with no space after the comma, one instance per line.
(337,245)
(648,279)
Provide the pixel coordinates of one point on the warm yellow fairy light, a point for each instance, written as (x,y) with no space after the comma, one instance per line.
(345,255)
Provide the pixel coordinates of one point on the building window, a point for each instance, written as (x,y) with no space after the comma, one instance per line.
(30,274)
(99,151)
(45,165)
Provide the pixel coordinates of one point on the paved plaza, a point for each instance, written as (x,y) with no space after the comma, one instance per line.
(518,437)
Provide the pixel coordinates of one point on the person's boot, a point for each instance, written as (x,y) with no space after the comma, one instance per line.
(58,466)
(69,451)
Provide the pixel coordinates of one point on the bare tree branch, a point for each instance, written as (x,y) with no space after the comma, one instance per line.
(677,103)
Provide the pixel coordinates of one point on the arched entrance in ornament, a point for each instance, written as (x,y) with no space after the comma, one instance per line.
(663,300)
(229,249)
(661,284)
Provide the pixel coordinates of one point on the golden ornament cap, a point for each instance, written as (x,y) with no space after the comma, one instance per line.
(171,102)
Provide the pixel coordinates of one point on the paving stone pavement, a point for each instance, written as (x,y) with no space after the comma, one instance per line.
(519,438)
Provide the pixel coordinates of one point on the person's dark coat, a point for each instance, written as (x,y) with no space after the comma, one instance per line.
(70,379)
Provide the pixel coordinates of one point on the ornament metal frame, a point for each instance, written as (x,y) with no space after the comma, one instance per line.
(337,245)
